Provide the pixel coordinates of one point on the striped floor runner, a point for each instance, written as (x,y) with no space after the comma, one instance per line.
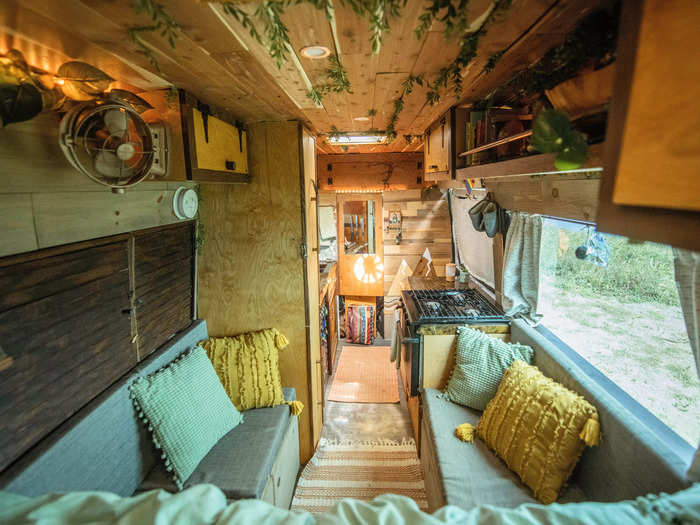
(359,470)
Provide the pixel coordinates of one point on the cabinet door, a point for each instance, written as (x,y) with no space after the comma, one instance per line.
(65,332)
(650,187)
(163,284)
(313,286)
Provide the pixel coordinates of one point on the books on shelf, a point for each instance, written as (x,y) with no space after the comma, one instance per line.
(490,125)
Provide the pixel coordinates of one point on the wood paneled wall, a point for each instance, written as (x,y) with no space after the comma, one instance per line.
(251,273)
(371,171)
(425,224)
(74,319)
(45,202)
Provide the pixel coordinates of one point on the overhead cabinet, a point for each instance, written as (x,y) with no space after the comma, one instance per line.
(444,140)
(650,188)
(215,147)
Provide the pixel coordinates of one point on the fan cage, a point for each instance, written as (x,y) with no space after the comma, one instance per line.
(82,144)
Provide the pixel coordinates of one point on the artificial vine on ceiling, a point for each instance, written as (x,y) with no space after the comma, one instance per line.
(592,43)
(338,81)
(456,23)
(162,23)
(406,89)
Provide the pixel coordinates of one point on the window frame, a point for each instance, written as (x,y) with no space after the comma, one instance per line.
(674,441)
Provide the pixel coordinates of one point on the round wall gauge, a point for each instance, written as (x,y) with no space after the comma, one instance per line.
(185,203)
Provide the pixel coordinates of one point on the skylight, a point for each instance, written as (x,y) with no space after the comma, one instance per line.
(358,138)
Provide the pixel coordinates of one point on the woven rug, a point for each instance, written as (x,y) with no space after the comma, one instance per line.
(360,470)
(365,375)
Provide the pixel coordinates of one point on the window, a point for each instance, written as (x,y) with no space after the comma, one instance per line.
(624,318)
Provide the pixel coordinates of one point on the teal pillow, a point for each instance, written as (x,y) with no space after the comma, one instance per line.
(186,410)
(480,362)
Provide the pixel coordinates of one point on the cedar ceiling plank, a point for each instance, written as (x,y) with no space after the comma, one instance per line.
(436,52)
(387,88)
(309,26)
(400,48)
(287,77)
(361,64)
(503,32)
(205,28)
(187,53)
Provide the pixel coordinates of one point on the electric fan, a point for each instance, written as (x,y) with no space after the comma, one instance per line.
(109,142)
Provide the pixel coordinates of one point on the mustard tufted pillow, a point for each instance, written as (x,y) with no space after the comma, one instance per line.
(539,428)
(248,367)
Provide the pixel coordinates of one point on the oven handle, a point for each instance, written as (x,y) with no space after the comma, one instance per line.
(410,340)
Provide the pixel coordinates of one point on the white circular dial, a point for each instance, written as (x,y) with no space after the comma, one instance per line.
(185,203)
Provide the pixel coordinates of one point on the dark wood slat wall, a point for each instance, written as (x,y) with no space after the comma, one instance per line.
(164,262)
(65,323)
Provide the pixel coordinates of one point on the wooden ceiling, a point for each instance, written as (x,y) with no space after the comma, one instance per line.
(217,60)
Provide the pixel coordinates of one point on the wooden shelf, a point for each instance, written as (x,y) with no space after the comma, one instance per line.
(531,165)
(499,142)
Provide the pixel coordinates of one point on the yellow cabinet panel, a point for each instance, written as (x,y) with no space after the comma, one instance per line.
(223,146)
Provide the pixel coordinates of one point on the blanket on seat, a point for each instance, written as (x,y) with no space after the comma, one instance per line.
(206,504)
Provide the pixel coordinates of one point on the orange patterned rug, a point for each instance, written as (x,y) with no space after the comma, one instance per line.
(360,470)
(365,375)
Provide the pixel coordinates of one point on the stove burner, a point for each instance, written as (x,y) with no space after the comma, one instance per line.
(450,306)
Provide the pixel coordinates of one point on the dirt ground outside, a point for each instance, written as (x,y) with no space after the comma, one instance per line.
(643,347)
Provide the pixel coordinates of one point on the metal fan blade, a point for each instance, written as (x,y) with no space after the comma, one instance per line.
(108,165)
(116,122)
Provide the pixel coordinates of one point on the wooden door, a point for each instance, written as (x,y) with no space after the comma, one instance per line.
(360,244)
(316,376)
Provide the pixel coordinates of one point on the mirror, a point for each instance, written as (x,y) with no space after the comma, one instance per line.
(359,227)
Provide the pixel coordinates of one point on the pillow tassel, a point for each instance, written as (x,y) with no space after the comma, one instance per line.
(591,431)
(466,432)
(296,407)
(280,340)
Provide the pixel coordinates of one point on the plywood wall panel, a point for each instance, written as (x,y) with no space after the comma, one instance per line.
(250,273)
(45,202)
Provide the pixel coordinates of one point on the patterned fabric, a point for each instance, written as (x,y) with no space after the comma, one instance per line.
(360,324)
(248,367)
(359,470)
(539,428)
(186,410)
(480,362)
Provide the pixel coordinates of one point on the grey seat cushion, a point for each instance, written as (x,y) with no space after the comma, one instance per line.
(472,475)
(241,462)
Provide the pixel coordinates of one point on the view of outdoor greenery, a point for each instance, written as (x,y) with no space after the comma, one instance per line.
(625,319)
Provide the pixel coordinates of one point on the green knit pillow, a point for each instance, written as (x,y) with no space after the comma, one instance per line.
(186,410)
(480,362)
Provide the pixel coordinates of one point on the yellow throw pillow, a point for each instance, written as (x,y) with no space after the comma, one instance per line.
(539,428)
(248,367)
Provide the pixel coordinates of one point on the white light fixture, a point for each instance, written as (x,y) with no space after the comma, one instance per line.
(358,139)
(185,203)
(361,119)
(315,52)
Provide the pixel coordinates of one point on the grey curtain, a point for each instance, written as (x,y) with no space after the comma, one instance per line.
(687,269)
(521,266)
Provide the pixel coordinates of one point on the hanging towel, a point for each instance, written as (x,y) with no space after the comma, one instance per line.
(396,339)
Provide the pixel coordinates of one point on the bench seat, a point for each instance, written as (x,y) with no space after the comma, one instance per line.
(471,474)
(241,463)
(629,462)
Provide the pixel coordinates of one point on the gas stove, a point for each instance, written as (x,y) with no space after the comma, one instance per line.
(451,307)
